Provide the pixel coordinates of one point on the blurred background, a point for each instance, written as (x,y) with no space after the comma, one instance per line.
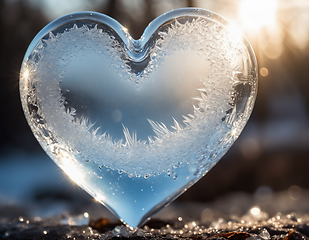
(270,156)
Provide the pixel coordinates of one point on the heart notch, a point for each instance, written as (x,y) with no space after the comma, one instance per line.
(137,122)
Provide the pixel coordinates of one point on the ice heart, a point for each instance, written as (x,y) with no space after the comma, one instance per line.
(137,122)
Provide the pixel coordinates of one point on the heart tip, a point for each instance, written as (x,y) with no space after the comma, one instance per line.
(134,227)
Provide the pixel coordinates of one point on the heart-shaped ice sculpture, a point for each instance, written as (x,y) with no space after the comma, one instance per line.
(137,122)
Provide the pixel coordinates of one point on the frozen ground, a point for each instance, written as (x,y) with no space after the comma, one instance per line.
(37,201)
(255,224)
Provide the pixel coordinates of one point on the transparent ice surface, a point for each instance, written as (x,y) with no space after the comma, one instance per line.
(137,122)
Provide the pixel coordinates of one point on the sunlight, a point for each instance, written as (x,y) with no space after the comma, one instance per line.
(74,174)
(100,199)
(256,14)
(69,164)
(26,74)
(235,31)
(125,30)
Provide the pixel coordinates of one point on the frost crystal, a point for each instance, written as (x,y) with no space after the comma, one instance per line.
(207,104)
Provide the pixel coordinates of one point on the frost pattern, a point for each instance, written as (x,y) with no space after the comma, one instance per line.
(199,141)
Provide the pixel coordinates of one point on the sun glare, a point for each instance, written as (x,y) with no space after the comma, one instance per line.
(26,74)
(235,31)
(257,13)
(69,164)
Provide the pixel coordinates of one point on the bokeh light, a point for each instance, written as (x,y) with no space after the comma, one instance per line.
(264,72)
(255,211)
(295,192)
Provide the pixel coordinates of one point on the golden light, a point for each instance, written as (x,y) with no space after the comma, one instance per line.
(264,72)
(99,199)
(257,13)
(272,51)
(26,74)
(125,30)
(255,211)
